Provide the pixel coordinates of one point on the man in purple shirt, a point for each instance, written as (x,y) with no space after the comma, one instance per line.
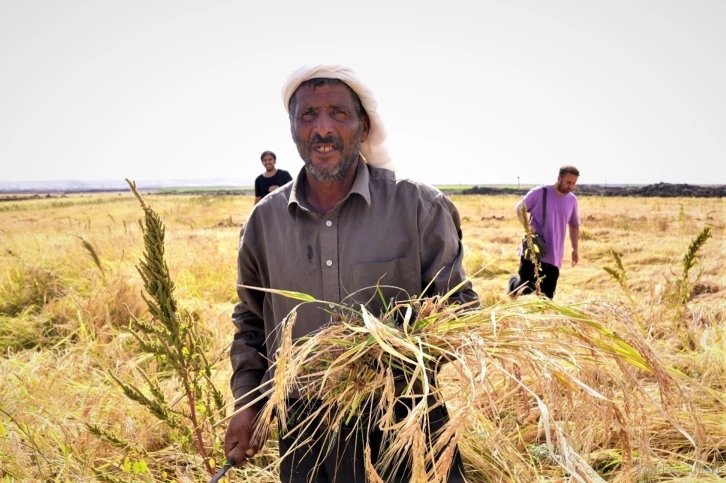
(561,212)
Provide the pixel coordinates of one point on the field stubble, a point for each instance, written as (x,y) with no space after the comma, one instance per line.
(64,313)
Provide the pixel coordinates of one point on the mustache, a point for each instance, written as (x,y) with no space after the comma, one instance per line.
(318,139)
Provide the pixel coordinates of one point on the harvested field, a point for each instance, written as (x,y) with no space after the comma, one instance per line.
(69,290)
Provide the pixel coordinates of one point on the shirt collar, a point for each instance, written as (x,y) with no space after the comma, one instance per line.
(298,199)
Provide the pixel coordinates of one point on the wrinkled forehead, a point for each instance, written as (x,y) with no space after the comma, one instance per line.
(312,85)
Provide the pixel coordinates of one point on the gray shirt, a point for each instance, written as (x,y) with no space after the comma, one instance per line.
(398,234)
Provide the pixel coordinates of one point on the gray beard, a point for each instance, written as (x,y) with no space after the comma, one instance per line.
(336,174)
(342,169)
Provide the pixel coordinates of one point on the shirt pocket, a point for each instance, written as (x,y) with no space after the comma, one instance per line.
(375,282)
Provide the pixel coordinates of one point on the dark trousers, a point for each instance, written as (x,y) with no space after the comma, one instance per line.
(548,275)
(342,460)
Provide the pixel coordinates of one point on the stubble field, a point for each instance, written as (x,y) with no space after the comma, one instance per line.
(64,318)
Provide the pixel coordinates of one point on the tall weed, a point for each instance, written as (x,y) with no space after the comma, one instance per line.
(172,338)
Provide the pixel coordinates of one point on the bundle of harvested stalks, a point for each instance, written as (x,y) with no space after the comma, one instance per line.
(533,387)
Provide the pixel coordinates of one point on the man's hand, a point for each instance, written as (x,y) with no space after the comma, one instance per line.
(237,439)
(575,257)
(272,188)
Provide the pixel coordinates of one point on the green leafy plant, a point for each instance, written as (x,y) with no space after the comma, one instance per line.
(684,283)
(171,337)
(618,273)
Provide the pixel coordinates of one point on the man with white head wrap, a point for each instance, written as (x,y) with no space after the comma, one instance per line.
(342,231)
(373,150)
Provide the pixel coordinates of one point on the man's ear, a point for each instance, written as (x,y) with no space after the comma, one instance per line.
(366,128)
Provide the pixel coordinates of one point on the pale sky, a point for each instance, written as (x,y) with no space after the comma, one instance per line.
(470,91)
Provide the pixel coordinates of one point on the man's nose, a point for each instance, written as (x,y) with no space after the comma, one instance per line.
(323,124)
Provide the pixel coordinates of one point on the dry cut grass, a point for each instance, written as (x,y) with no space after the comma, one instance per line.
(622,382)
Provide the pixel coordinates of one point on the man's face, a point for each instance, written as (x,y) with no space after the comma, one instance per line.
(268,162)
(327,130)
(566,183)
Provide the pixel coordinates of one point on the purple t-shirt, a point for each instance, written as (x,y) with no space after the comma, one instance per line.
(561,211)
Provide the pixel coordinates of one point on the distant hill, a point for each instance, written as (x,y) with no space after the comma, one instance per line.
(664,190)
(235,185)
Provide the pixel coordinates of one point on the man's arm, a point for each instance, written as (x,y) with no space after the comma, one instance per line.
(257,199)
(528,201)
(521,216)
(575,241)
(574,224)
(442,253)
(248,356)
(248,352)
(442,256)
(248,367)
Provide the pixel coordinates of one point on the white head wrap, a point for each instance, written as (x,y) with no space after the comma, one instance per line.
(374,149)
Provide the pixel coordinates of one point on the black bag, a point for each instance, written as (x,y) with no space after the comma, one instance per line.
(538,240)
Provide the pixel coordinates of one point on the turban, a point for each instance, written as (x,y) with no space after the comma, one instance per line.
(374,149)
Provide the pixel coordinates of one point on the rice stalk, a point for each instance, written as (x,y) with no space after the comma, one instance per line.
(532,249)
(93,252)
(684,284)
(524,374)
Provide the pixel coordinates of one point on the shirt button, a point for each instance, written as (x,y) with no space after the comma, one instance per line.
(329,263)
(328,223)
